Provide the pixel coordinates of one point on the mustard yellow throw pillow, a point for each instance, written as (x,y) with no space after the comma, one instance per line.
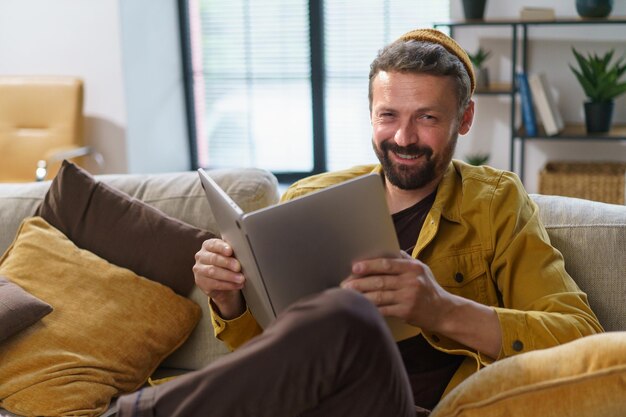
(109,330)
(583,378)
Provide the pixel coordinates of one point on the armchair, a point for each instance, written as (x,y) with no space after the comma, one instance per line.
(41,120)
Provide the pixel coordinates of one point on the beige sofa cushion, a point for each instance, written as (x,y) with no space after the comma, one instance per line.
(592,238)
(18,201)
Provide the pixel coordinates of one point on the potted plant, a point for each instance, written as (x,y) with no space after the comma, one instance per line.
(474,9)
(482,73)
(594,8)
(602,83)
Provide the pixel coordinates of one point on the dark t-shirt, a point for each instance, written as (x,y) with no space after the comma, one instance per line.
(429,370)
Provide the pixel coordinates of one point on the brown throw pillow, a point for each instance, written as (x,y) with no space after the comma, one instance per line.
(18,309)
(123,230)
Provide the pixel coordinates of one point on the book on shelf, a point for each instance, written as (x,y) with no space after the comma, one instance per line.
(537,13)
(528,112)
(545,104)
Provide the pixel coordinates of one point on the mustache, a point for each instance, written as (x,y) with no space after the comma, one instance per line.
(413,150)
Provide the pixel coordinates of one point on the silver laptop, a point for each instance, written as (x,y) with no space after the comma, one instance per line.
(306,245)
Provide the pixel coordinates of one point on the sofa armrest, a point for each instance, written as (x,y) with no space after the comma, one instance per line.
(592,238)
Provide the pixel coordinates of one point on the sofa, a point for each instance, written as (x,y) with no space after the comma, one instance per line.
(568,380)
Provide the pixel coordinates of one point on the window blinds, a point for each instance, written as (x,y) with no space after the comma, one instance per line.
(257,92)
(252,77)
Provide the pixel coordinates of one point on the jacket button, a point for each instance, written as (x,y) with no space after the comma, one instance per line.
(458,277)
(518,346)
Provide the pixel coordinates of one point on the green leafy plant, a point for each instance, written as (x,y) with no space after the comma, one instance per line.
(479,57)
(600,80)
(477,158)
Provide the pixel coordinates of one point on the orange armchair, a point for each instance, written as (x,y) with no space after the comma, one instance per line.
(41,123)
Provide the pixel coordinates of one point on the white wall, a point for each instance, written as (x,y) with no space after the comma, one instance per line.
(156,128)
(127,53)
(549,53)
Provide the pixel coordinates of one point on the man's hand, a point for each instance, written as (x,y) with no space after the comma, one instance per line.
(218,274)
(401,287)
(406,288)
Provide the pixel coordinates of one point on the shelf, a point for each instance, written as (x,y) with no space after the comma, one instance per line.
(577,132)
(558,21)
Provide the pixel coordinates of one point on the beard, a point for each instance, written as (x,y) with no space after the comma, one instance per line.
(411,177)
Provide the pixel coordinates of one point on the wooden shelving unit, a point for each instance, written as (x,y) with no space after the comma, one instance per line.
(519,30)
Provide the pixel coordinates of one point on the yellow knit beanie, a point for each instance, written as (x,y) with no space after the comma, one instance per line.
(435,36)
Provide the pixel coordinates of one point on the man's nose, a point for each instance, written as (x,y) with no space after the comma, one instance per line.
(406,134)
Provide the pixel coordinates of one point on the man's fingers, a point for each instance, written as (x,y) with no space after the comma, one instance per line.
(214,272)
(395,310)
(217,285)
(382,298)
(386,266)
(213,280)
(208,257)
(221,261)
(218,246)
(378,283)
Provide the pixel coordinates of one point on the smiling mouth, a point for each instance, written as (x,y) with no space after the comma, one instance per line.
(407,157)
(405,154)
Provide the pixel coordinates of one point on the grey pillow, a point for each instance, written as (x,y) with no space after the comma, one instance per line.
(18,309)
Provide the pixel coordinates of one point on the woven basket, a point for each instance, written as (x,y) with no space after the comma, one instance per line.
(598,181)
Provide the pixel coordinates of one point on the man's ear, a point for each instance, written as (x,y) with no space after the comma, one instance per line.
(467,118)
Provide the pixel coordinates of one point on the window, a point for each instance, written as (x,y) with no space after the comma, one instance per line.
(282,84)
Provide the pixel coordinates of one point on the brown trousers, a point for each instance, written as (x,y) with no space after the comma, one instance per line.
(328,355)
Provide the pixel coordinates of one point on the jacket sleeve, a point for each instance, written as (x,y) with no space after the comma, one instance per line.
(235,332)
(541,304)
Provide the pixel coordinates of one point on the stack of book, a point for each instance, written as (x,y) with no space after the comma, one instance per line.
(538,102)
(545,104)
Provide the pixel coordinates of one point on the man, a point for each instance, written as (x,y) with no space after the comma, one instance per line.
(481,283)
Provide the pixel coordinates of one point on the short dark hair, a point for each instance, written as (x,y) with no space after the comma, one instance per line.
(417,57)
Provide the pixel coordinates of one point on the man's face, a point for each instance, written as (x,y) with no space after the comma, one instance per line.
(415,126)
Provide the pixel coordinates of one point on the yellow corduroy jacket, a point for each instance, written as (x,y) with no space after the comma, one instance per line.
(483,240)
